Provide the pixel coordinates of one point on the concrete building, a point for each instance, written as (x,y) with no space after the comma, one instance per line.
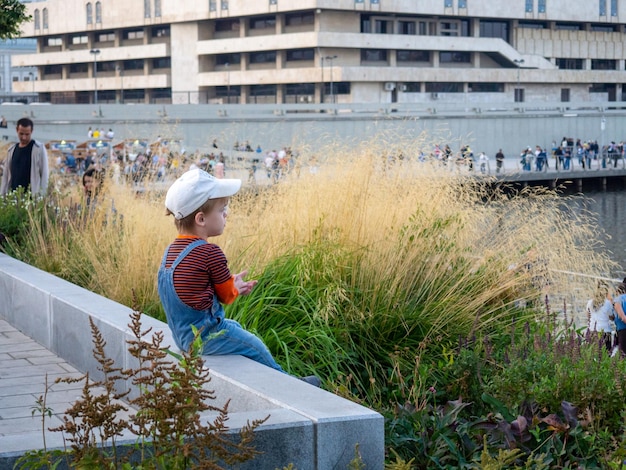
(333,51)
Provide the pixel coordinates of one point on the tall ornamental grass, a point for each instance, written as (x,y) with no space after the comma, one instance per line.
(371,264)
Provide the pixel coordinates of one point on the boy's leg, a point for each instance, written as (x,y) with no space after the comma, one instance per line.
(233,339)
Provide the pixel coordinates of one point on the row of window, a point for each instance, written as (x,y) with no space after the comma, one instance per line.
(108,36)
(109,66)
(382,55)
(265,22)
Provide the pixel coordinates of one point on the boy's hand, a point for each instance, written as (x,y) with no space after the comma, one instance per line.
(244,287)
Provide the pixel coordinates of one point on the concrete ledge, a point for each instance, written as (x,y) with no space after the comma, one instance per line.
(309,427)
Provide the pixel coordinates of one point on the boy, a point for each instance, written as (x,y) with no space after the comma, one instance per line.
(194,279)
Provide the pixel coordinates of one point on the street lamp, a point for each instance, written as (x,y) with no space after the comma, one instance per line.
(518,91)
(95,53)
(330,58)
(120,70)
(32,79)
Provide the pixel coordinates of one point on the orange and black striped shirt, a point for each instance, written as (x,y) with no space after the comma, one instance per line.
(202,274)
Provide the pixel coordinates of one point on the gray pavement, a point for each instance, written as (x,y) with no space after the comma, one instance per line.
(26,368)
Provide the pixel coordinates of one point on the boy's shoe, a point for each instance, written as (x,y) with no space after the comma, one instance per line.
(312,380)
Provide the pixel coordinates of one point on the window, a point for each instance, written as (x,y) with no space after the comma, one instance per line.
(449,29)
(133,64)
(162,63)
(78,39)
(98,12)
(565,95)
(146,9)
(78,68)
(603,64)
(136,94)
(224,4)
(45,18)
(231,59)
(494,29)
(412,87)
(413,56)
(105,66)
(296,19)
(485,87)
(568,26)
(161,31)
(54,42)
(262,57)
(407,27)
(531,25)
(613,7)
(89,13)
(602,7)
(447,57)
(443,87)
(157,8)
(53,69)
(160,93)
(222,26)
(109,36)
(262,90)
(339,88)
(37,19)
(300,89)
(541,6)
(212,5)
(529,6)
(373,55)
(263,22)
(570,64)
(300,54)
(447,3)
(382,27)
(462,3)
(366,24)
(605,28)
(133,34)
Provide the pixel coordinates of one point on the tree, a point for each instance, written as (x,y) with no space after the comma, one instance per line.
(12,15)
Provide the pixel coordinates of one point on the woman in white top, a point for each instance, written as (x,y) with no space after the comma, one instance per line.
(600,315)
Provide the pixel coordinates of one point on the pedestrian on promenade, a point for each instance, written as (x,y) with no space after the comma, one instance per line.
(567,158)
(26,163)
(619,304)
(194,280)
(499,160)
(483,160)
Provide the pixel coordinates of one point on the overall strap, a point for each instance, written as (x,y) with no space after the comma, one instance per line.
(182,254)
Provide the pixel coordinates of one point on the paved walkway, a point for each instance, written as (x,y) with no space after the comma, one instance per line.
(25,366)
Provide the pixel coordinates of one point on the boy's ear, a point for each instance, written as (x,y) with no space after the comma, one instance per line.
(199,218)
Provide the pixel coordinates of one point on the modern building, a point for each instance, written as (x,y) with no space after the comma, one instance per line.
(312,51)
(10,75)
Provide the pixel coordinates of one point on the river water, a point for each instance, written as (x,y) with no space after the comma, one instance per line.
(610,208)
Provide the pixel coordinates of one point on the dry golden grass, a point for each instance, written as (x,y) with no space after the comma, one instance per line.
(406,225)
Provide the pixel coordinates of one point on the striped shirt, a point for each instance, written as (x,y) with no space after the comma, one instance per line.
(201,274)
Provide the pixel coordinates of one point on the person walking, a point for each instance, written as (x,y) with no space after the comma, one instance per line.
(26,163)
(499,160)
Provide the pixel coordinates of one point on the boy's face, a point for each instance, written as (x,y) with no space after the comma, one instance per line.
(215,221)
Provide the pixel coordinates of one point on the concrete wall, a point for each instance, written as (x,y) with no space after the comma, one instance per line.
(486,126)
(309,427)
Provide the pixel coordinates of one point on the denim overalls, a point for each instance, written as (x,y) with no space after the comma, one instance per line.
(233,338)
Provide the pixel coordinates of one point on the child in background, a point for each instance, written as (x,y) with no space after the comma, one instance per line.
(194,279)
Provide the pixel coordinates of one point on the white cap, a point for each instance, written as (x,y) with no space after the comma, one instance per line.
(195,187)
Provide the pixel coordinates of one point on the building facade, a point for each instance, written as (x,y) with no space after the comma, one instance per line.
(331,51)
